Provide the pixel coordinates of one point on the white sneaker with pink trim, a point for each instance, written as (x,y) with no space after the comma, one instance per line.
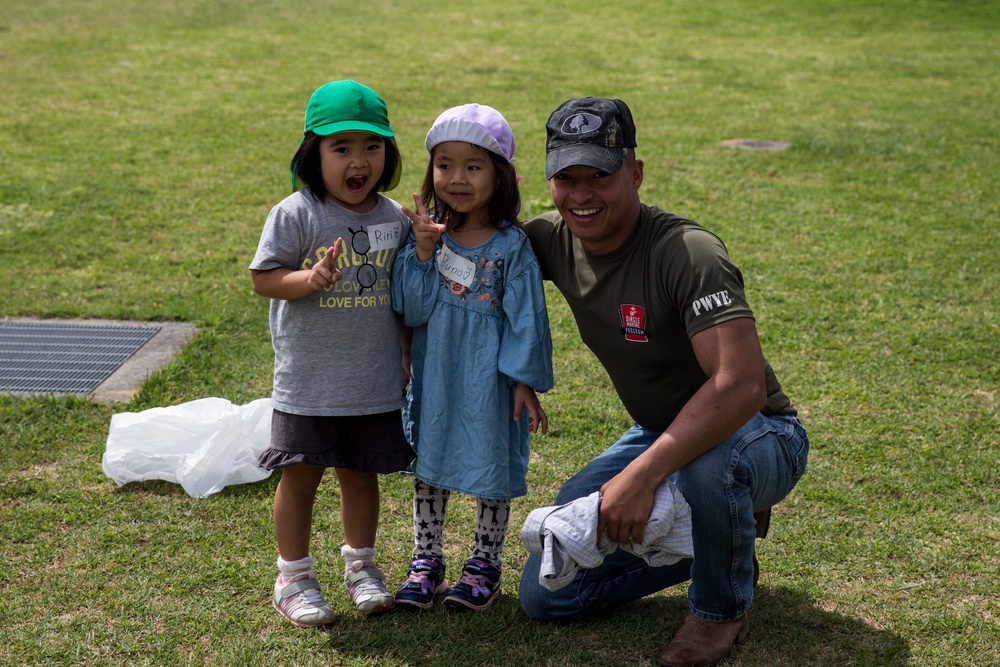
(300,601)
(366,586)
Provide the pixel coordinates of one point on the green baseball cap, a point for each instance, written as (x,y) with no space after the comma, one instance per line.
(348,106)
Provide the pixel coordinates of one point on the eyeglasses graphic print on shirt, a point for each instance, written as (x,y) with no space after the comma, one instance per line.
(366,274)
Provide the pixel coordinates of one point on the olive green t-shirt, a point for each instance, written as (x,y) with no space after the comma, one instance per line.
(638,306)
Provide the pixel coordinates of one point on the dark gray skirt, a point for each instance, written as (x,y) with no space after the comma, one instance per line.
(367,443)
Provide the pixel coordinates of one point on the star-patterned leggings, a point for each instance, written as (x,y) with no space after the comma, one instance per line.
(430,507)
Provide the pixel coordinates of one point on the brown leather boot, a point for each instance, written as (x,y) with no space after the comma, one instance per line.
(700,643)
(762,520)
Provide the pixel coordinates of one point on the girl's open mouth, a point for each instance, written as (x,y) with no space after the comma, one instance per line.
(356,183)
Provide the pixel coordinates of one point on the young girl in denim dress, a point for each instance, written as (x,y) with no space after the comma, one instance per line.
(469,285)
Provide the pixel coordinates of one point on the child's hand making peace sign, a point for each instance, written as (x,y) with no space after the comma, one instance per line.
(325,272)
(425,230)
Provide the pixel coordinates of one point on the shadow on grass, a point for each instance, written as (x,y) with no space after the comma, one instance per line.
(787,629)
(157,487)
(152,487)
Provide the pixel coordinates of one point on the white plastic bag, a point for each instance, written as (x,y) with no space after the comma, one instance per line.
(202,445)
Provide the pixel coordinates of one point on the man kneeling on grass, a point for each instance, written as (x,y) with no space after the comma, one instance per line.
(658,300)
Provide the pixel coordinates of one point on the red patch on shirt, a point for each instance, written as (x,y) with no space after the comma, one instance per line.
(633,322)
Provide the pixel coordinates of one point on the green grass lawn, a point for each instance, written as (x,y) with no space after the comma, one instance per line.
(143,143)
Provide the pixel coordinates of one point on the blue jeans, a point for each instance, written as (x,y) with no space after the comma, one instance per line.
(751,471)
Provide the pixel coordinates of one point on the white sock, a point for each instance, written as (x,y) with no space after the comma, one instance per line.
(290,569)
(350,554)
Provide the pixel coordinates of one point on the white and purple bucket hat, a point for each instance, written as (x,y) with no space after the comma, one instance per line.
(476,124)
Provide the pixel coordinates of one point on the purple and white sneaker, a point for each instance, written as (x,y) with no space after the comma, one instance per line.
(478,588)
(426,580)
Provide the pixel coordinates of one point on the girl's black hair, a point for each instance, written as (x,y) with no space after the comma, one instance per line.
(306,165)
(503,206)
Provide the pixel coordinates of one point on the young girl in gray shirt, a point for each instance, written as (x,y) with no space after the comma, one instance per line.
(324,260)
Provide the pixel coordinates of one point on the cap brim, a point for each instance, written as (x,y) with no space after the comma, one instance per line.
(609,160)
(353,126)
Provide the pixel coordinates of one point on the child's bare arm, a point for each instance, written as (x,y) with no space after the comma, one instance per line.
(288,285)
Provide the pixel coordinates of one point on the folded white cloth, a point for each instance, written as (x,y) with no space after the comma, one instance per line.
(565,536)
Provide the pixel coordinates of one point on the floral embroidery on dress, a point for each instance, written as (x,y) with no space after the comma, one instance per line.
(487,285)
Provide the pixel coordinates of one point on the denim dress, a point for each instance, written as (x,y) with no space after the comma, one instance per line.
(472,344)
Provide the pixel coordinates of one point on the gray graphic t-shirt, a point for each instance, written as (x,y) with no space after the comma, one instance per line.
(337,350)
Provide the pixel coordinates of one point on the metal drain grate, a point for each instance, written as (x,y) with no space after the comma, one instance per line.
(64,358)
